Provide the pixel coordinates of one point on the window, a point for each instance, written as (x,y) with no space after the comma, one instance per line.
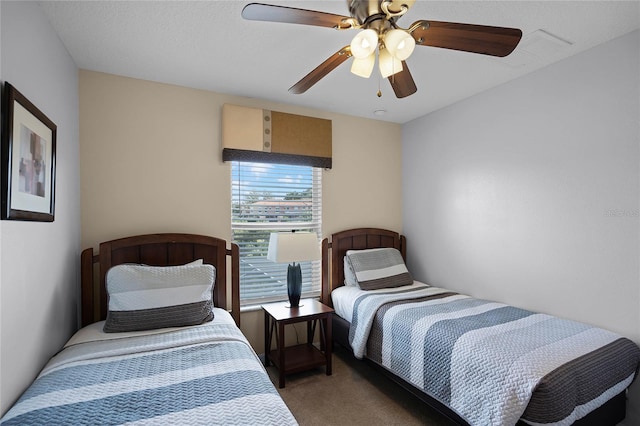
(273,198)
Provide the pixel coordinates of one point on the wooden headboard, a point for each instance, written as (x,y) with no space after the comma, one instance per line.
(333,252)
(157,250)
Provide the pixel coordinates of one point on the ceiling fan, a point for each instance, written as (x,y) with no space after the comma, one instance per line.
(381,36)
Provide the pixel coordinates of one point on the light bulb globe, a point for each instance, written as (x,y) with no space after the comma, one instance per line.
(363,67)
(399,43)
(364,43)
(388,63)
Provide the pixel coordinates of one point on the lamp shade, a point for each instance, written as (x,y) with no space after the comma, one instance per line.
(287,247)
(364,43)
(399,43)
(363,66)
(388,63)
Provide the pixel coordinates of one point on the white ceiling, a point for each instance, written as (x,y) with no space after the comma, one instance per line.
(207,45)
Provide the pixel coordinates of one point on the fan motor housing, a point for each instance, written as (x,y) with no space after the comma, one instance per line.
(362,9)
(367,12)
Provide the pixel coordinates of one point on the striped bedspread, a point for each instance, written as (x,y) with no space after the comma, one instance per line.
(197,375)
(492,363)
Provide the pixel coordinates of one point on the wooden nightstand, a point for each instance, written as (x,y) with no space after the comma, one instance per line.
(300,357)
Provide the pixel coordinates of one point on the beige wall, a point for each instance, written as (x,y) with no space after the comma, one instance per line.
(151,162)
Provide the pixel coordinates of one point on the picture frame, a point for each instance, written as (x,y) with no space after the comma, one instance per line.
(28,159)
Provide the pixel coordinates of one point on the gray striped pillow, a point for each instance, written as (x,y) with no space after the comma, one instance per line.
(145,297)
(379,268)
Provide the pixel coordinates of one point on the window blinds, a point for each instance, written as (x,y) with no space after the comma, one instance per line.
(273,198)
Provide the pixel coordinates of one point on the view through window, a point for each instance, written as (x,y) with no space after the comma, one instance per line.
(273,198)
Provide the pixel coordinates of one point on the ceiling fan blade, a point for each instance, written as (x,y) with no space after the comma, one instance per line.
(402,82)
(321,70)
(486,40)
(292,15)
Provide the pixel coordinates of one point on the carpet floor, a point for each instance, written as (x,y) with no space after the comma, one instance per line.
(355,394)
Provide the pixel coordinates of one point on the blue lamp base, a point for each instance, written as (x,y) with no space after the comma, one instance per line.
(294,285)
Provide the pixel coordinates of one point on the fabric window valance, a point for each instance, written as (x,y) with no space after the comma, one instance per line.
(252,134)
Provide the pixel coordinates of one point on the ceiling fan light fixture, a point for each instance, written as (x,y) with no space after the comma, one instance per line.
(376,22)
(399,43)
(364,43)
(363,67)
(388,63)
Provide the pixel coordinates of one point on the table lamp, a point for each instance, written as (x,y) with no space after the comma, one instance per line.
(293,247)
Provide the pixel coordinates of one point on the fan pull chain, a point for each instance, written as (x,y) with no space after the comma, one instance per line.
(379,94)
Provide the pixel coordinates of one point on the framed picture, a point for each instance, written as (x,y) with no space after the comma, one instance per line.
(28,160)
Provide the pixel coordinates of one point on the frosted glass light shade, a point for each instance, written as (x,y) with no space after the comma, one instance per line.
(389,64)
(363,67)
(293,247)
(399,43)
(364,43)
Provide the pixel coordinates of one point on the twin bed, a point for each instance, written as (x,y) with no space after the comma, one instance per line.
(165,361)
(476,361)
